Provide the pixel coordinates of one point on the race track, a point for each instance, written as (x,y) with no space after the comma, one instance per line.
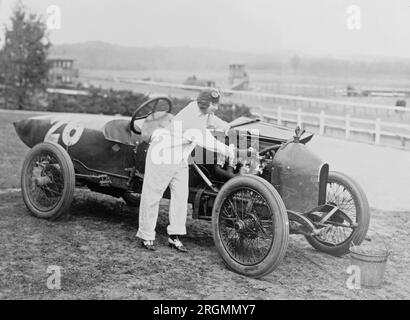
(384,173)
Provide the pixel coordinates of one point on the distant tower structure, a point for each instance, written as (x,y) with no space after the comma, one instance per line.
(62,71)
(238,78)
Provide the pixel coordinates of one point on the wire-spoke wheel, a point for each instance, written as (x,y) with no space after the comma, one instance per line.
(250,226)
(348,225)
(47,181)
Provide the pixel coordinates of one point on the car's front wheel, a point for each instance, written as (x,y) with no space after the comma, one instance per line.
(47,181)
(346,227)
(250,226)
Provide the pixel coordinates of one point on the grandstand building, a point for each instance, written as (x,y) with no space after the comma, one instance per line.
(62,72)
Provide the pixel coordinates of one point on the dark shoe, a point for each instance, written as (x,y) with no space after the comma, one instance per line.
(148,244)
(175,243)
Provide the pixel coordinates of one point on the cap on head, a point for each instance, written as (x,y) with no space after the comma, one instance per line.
(207,96)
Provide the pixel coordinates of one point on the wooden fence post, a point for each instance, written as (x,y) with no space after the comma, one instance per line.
(377,131)
(322,123)
(279,115)
(299,119)
(347,132)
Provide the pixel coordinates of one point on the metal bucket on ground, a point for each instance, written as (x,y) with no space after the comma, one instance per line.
(372,264)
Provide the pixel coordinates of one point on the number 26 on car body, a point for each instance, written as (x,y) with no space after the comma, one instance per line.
(70,135)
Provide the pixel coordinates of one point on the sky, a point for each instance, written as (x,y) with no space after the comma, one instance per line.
(260,26)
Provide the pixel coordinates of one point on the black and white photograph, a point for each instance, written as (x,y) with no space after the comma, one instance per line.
(208,151)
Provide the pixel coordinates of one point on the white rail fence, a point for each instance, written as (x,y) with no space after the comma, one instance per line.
(357,109)
(371,131)
(322,116)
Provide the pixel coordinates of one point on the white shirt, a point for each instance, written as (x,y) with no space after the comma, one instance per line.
(188,129)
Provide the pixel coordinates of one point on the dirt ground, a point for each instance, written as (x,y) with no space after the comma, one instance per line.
(100,259)
(96,248)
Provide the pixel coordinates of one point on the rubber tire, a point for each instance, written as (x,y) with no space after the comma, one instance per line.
(362,217)
(281,232)
(69,181)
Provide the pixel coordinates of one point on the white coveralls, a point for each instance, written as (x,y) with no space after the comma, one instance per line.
(174,173)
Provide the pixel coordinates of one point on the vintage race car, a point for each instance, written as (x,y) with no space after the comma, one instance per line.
(285,189)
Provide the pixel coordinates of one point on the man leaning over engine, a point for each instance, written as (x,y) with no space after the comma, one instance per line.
(188,129)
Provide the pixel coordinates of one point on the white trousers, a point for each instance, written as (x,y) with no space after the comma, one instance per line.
(157,178)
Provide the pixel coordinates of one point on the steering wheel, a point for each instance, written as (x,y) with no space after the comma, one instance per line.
(153,101)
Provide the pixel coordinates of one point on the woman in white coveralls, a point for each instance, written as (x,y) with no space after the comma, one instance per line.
(167,165)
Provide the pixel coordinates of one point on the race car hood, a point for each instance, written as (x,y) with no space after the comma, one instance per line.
(268,131)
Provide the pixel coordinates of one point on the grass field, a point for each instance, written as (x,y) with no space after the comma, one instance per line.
(12,150)
(96,247)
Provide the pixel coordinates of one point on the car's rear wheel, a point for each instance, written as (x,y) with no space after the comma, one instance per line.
(250,226)
(341,231)
(47,181)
